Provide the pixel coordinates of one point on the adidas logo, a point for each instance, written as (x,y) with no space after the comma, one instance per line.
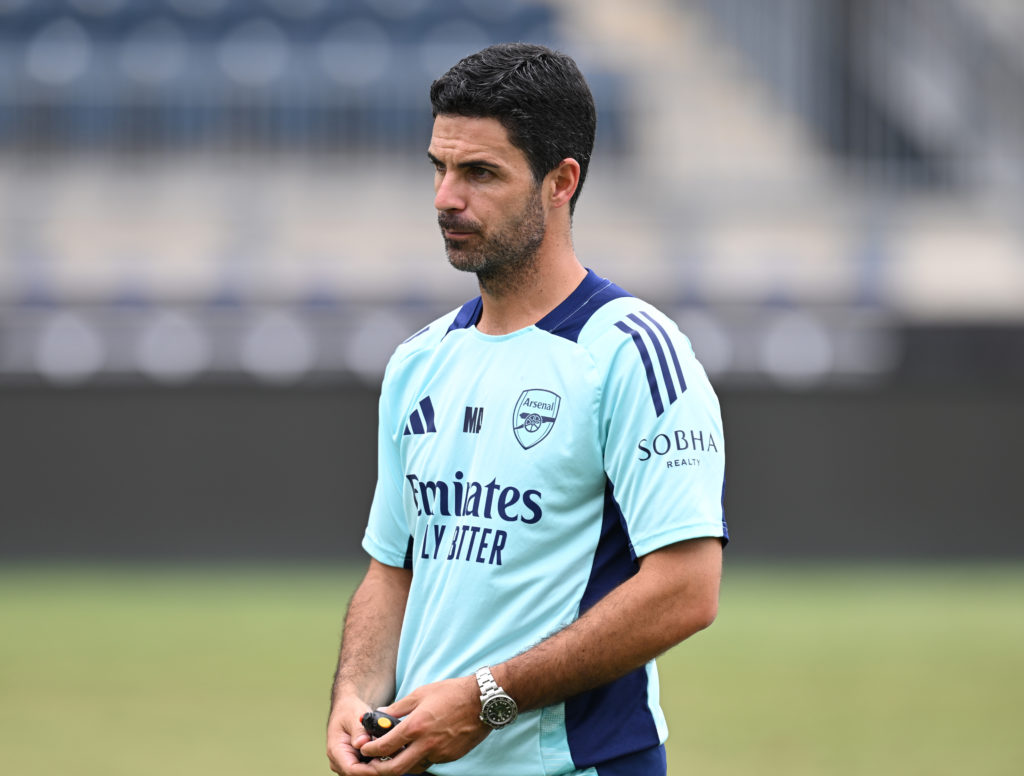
(421,421)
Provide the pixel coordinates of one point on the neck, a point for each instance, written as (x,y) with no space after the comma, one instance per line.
(526,294)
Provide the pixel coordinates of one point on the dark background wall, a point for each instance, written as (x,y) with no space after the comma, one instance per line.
(244,472)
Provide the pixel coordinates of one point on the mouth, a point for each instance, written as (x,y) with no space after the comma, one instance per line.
(452,234)
(452,229)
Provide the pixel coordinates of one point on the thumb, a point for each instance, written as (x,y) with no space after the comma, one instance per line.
(360,739)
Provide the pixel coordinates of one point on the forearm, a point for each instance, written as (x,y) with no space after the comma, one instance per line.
(674,595)
(637,621)
(369,644)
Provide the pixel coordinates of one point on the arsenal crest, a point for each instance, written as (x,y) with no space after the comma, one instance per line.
(534,416)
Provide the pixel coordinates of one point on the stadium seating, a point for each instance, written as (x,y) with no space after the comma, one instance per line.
(111,74)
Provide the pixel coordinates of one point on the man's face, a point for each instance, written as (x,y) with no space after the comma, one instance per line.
(489,207)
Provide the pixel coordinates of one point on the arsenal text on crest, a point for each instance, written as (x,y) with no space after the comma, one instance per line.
(534,416)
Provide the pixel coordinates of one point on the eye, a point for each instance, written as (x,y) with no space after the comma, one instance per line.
(480,173)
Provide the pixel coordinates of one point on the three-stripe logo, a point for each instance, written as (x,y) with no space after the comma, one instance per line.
(665,380)
(421,420)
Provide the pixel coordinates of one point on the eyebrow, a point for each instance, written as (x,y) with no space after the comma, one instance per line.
(466,164)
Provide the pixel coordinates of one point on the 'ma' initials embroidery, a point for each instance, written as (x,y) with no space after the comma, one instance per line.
(474,420)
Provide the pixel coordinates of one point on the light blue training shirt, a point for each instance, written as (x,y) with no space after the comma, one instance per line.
(520,477)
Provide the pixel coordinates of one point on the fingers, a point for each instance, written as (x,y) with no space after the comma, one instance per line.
(344,760)
(399,752)
(345,736)
(343,757)
(386,746)
(439,723)
(406,760)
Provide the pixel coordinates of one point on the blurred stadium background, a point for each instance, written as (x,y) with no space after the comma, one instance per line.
(216,223)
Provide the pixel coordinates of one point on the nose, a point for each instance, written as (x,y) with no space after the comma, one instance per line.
(447,193)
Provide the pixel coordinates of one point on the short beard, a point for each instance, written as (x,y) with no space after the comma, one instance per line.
(504,262)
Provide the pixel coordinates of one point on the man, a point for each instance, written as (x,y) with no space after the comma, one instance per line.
(548,510)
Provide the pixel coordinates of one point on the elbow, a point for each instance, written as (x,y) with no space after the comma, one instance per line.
(705,615)
(697,616)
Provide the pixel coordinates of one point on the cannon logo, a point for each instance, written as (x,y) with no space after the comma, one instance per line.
(534,416)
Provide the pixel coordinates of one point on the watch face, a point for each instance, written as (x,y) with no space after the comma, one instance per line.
(500,711)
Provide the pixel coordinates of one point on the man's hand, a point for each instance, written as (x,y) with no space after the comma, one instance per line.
(366,663)
(345,736)
(440,723)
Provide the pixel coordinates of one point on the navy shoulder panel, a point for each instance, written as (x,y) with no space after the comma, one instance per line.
(568,319)
(469,315)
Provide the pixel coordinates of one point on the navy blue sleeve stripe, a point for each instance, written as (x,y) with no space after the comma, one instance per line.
(671,349)
(645,356)
(669,384)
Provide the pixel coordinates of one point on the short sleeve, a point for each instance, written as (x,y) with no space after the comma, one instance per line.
(387,534)
(664,448)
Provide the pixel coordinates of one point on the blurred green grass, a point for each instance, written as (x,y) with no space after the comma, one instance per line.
(870,669)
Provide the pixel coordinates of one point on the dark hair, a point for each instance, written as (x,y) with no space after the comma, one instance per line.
(538,95)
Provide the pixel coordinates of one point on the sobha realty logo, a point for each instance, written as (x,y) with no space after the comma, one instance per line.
(534,416)
(682,447)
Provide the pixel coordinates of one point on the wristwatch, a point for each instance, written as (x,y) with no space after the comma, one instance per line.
(497,709)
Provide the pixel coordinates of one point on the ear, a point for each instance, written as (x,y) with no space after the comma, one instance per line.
(562,182)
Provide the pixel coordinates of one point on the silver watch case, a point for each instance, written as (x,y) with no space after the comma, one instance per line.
(497,709)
